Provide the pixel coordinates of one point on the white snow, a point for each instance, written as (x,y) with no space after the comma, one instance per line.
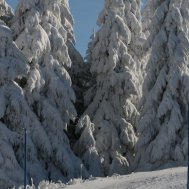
(125,111)
(174,178)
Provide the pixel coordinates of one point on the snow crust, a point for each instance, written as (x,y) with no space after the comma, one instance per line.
(168,178)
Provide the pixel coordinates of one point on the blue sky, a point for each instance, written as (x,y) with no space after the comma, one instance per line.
(85,14)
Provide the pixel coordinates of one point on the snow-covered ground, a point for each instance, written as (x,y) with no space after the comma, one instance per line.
(175,178)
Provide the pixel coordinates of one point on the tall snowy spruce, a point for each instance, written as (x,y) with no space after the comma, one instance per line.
(12,107)
(107,127)
(163,121)
(41,35)
(10,94)
(15,114)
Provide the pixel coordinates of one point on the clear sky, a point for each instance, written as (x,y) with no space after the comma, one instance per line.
(85,14)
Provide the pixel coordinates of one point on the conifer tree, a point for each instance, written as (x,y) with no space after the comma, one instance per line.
(15,114)
(107,126)
(40,35)
(12,111)
(163,120)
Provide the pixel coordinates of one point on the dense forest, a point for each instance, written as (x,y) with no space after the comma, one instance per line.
(123,108)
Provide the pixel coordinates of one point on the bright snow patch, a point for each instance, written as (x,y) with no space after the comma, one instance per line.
(174,178)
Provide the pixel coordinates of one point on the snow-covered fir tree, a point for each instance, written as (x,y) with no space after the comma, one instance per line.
(10,96)
(15,115)
(163,121)
(107,127)
(40,35)
(13,109)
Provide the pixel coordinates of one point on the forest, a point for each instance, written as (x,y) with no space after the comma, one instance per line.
(121,109)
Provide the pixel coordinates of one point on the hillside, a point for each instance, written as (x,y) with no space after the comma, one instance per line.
(174,178)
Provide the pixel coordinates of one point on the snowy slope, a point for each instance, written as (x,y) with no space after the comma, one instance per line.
(170,178)
(174,178)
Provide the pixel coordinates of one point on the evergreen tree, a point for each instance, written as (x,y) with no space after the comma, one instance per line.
(107,126)
(11,105)
(163,121)
(40,35)
(15,114)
